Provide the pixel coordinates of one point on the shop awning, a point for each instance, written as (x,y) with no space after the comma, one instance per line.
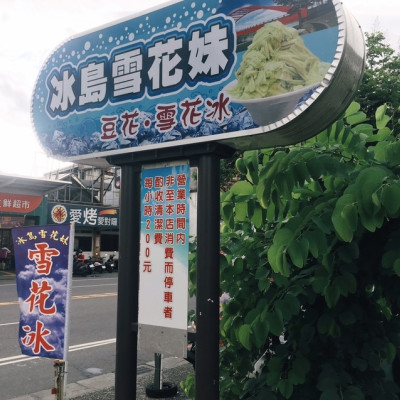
(30,186)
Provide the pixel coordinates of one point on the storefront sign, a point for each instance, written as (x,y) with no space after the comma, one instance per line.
(234,71)
(99,217)
(19,203)
(8,222)
(43,266)
(164,248)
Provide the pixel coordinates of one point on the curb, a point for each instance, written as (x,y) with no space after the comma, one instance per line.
(79,388)
(6,275)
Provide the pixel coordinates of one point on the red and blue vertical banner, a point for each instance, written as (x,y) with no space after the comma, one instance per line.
(164,249)
(43,265)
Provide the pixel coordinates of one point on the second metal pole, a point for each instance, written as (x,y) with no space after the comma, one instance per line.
(207,293)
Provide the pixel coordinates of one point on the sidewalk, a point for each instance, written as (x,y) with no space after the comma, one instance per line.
(101,387)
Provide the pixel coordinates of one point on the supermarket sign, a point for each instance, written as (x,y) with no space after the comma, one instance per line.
(19,203)
(197,71)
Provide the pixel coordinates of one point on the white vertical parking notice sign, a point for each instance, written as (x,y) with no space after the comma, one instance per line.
(164,248)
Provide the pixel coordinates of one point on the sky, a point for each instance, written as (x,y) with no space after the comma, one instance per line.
(31,29)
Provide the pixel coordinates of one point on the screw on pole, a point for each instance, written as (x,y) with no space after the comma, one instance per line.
(59,374)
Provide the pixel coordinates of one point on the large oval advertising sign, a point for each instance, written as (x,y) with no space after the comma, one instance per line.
(246,73)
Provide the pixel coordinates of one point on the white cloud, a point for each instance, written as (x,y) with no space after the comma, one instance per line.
(30,31)
(375,15)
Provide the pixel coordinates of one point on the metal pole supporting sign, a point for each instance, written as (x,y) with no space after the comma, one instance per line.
(207,292)
(128,284)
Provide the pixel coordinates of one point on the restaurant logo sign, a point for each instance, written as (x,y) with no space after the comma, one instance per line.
(191,72)
(99,217)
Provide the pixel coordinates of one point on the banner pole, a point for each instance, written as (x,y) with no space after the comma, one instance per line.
(68,308)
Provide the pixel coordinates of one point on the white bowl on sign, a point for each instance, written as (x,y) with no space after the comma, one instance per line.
(268,110)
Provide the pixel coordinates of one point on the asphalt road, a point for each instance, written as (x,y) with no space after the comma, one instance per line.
(92,338)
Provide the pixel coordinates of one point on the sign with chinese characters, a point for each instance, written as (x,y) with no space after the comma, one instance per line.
(234,71)
(164,249)
(19,203)
(99,217)
(43,266)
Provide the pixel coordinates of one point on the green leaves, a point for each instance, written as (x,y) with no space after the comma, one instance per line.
(354,393)
(227,209)
(277,259)
(242,188)
(332,294)
(291,306)
(285,388)
(312,253)
(381,117)
(372,197)
(248,165)
(238,204)
(244,336)
(346,283)
(298,251)
(285,379)
(286,242)
(391,352)
(260,330)
(356,118)
(274,371)
(389,197)
(300,368)
(345,217)
(275,322)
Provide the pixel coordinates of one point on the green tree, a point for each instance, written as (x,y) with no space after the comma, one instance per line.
(381,81)
(312,266)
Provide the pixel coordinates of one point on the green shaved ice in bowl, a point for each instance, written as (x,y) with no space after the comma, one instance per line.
(276,70)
